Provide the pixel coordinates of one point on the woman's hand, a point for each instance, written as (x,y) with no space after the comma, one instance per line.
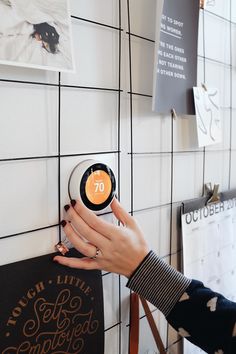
(117,249)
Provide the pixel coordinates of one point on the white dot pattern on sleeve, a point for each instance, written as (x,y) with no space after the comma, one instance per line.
(183,333)
(184,297)
(212,303)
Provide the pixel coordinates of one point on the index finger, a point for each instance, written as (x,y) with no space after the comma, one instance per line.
(121,214)
(96,223)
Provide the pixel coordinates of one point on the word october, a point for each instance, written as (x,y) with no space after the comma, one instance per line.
(209,210)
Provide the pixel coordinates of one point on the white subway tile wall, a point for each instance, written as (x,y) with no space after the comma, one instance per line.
(167,165)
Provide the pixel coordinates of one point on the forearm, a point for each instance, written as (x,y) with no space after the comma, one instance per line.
(158,283)
(204,317)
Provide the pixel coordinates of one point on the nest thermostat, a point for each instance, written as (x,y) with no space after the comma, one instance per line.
(93,183)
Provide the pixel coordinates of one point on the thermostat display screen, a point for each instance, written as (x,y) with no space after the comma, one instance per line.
(98,187)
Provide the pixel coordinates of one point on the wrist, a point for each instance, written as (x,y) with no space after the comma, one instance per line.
(158,282)
(137,262)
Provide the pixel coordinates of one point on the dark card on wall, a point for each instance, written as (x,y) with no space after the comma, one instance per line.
(175,71)
(48,308)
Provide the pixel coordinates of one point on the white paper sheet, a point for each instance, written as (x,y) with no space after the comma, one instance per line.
(209,250)
(207,116)
(18,47)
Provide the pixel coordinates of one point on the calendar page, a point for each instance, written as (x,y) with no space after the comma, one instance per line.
(209,250)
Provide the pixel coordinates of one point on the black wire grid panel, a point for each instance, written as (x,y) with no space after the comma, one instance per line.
(60,156)
(202,151)
(132,153)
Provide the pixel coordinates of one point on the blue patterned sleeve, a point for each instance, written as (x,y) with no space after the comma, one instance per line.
(205,318)
(197,313)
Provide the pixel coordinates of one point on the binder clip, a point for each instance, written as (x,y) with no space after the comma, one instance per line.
(202,4)
(62,248)
(204,87)
(173,113)
(212,193)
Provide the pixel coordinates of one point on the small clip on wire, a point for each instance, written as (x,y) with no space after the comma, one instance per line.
(204,86)
(173,113)
(202,4)
(214,193)
(62,248)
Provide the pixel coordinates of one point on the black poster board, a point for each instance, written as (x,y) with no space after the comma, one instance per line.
(49,308)
(176,62)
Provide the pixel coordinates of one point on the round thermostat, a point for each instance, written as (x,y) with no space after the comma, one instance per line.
(93,183)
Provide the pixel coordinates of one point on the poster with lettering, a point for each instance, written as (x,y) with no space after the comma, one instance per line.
(48,308)
(175,68)
(209,250)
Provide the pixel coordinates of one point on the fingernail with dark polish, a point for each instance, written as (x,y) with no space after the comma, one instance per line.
(67,207)
(73,202)
(63,223)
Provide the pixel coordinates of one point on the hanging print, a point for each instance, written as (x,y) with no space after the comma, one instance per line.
(175,68)
(48,308)
(36,33)
(208,120)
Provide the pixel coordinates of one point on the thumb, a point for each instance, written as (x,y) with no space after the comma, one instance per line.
(121,214)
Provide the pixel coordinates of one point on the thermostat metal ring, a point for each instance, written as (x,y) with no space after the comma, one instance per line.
(79,178)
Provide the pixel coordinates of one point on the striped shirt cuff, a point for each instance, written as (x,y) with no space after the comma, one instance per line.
(158,283)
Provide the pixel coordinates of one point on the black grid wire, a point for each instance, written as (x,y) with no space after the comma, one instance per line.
(231,95)
(131,119)
(204,78)
(59,155)
(119,159)
(131,113)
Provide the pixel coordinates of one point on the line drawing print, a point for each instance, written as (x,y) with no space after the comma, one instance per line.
(207,116)
(211,2)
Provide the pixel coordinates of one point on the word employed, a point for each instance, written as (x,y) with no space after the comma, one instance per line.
(59,324)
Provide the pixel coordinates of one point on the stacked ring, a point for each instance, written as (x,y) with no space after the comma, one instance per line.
(97,252)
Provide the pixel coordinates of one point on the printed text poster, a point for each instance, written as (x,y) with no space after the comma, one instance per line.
(176,62)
